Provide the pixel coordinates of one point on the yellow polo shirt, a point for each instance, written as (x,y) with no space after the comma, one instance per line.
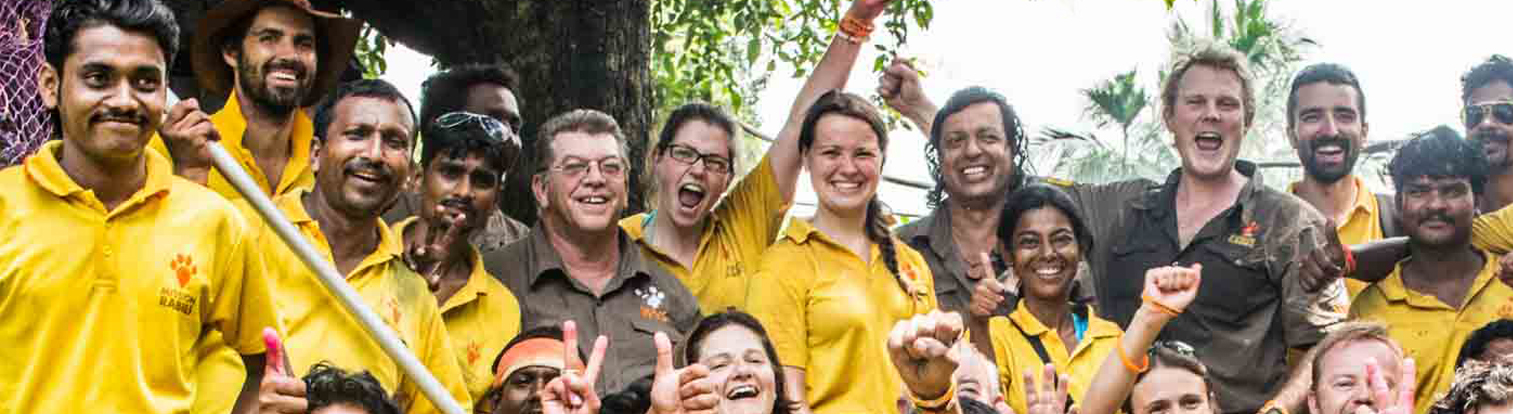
(231,125)
(320,329)
(481,318)
(1362,225)
(1015,354)
(102,308)
(1429,330)
(829,313)
(734,237)
(1493,231)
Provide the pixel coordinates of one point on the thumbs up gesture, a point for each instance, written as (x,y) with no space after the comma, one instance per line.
(680,391)
(280,392)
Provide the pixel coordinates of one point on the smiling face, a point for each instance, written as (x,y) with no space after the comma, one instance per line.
(1171,390)
(1490,132)
(687,192)
(1327,130)
(276,65)
(977,162)
(584,187)
(1437,211)
(1208,120)
(109,94)
(844,163)
(364,155)
(521,391)
(1046,252)
(1342,385)
(467,185)
(741,369)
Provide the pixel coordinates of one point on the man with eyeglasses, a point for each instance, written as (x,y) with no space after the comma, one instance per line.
(464,160)
(1487,95)
(577,264)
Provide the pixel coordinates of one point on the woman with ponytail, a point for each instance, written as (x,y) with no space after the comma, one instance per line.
(832,286)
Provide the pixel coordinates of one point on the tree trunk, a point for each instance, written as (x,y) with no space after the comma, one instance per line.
(570,54)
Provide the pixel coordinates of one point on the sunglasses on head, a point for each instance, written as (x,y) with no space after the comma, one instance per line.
(468,125)
(1474,114)
(1177,347)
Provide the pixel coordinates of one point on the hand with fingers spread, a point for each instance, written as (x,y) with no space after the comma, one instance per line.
(280,391)
(573,391)
(989,293)
(1325,264)
(1170,289)
(685,390)
(426,256)
(919,348)
(1049,395)
(186,133)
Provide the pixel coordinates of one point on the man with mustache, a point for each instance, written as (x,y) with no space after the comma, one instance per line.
(110,266)
(464,160)
(578,264)
(365,132)
(1326,124)
(1447,288)
(1487,95)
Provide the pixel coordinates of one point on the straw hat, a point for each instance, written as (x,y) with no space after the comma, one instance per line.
(337,34)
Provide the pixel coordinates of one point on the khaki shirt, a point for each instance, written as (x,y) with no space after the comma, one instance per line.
(1251,307)
(641,300)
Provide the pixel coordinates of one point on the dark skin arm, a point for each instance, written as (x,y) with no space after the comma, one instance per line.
(1373,260)
(246,402)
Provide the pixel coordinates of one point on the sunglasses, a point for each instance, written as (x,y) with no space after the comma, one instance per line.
(1474,114)
(1177,347)
(468,125)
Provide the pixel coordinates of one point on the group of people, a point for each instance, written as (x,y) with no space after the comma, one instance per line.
(1207,293)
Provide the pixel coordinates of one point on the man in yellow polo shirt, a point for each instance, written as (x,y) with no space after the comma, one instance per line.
(366,132)
(465,158)
(1326,124)
(1446,288)
(110,267)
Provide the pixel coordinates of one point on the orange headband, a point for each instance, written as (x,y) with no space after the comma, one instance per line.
(542,352)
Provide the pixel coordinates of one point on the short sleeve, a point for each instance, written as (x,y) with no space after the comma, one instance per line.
(779,299)
(754,210)
(243,302)
(435,352)
(1493,231)
(1306,316)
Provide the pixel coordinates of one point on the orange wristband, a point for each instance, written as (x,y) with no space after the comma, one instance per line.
(1349,262)
(1127,363)
(1160,306)
(855,28)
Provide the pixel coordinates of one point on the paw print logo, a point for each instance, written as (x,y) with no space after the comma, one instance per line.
(393,308)
(652,296)
(473,353)
(183,268)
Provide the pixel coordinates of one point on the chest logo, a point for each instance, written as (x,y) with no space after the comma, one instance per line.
(651,307)
(176,297)
(1247,235)
(473,353)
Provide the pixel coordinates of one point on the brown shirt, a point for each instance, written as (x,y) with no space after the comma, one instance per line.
(639,301)
(1250,308)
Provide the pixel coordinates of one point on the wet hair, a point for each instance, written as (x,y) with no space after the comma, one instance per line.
(447,91)
(1477,343)
(1037,196)
(468,138)
(1012,127)
(634,399)
(327,385)
(693,111)
(69,17)
(1476,384)
(586,121)
(1213,55)
(367,88)
(1331,73)
(1496,68)
(1439,153)
(1346,333)
(1165,357)
(838,102)
(733,317)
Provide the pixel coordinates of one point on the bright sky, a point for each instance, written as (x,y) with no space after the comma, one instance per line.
(1409,56)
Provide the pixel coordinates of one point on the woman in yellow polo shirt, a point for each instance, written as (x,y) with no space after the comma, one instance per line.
(831,288)
(1046,239)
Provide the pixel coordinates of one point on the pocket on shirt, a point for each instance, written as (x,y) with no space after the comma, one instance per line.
(1235,283)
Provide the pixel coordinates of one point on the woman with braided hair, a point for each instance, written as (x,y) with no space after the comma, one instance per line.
(832,286)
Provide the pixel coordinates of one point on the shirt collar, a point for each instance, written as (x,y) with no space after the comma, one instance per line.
(1167,191)
(389,246)
(1365,200)
(231,124)
(477,279)
(47,172)
(545,259)
(1395,291)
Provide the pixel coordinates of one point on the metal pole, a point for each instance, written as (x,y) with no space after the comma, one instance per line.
(334,282)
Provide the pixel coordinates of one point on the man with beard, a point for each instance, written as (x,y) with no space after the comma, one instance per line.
(1326,124)
(110,266)
(463,159)
(1447,288)
(365,132)
(1486,91)
(579,265)
(273,57)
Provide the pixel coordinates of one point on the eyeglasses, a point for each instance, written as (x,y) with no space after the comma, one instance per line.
(690,156)
(611,167)
(1502,111)
(1178,347)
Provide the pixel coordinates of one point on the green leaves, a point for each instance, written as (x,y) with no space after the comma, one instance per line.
(371,45)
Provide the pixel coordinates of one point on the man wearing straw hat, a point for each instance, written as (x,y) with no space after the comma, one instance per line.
(111,268)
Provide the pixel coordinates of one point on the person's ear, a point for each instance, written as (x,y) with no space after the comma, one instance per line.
(315,151)
(48,84)
(538,188)
(231,55)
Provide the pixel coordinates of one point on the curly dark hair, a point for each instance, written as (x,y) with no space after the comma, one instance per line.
(1438,153)
(1012,126)
(327,385)
(1477,343)
(1495,68)
(731,316)
(447,91)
